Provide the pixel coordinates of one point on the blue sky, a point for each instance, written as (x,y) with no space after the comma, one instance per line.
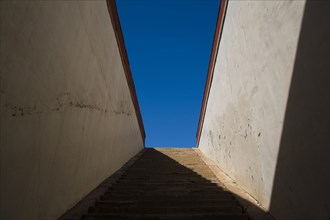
(169,45)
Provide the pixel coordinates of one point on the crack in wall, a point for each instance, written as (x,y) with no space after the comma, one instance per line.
(60,104)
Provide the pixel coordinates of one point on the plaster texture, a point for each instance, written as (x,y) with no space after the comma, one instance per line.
(67,117)
(267,118)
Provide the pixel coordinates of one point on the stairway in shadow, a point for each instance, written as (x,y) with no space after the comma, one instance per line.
(168,183)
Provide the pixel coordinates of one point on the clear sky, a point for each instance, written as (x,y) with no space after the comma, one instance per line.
(169,44)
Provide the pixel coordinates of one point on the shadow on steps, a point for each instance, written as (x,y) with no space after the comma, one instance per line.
(165,183)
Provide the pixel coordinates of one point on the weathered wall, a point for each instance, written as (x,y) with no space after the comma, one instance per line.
(67,117)
(267,116)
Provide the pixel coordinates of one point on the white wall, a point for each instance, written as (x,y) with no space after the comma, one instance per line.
(248,107)
(67,117)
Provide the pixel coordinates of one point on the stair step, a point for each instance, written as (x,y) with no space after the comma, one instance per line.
(166,197)
(166,210)
(167,203)
(120,187)
(164,173)
(166,190)
(162,194)
(212,216)
(166,184)
(169,177)
(167,181)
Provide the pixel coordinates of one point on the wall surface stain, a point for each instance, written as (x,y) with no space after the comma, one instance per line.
(59,104)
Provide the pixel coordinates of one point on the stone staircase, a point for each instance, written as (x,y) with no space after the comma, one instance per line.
(168,183)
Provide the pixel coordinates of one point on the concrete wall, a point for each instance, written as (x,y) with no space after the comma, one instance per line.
(67,118)
(267,117)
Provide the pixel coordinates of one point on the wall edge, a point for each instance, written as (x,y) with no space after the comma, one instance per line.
(213,57)
(124,57)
